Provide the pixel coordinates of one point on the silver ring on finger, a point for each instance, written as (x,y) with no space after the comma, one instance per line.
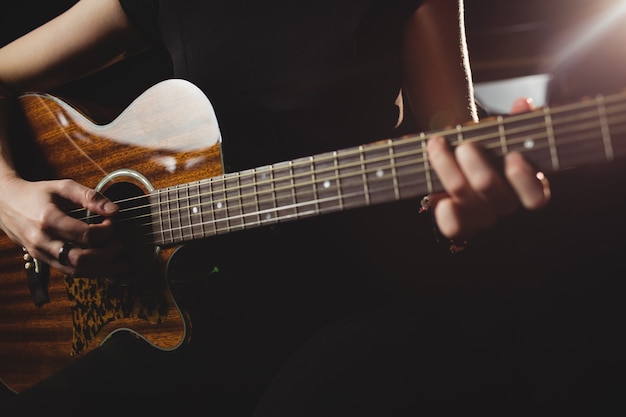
(64,252)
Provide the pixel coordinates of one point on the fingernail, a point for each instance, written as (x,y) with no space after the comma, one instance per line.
(110,207)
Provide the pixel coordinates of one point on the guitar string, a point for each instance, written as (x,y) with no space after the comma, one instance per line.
(371,149)
(369,162)
(385,145)
(273,191)
(179,232)
(276,210)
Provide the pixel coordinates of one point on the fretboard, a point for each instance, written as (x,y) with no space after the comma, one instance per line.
(553,139)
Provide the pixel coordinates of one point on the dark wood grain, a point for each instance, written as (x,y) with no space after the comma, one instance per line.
(36,342)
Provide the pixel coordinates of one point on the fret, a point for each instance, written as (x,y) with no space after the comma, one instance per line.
(459,134)
(336,172)
(578,134)
(249,198)
(195,211)
(413,174)
(284,191)
(170,224)
(526,133)
(160,217)
(366,192)
(504,149)
(205,202)
(350,178)
(258,178)
(207,212)
(186,229)
(234,211)
(326,182)
(379,173)
(292,184)
(314,185)
(489,134)
(174,209)
(604,128)
(392,168)
(266,201)
(219,206)
(615,107)
(551,141)
(428,175)
(304,188)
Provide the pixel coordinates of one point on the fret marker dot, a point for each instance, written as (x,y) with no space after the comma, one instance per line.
(195,210)
(219,205)
(380,173)
(326,184)
(268,216)
(529,144)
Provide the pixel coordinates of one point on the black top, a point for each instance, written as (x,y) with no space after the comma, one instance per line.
(286,78)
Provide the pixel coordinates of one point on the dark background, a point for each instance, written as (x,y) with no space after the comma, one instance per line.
(569,39)
(506,38)
(569,285)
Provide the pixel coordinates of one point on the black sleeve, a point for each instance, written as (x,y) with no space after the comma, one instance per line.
(144,15)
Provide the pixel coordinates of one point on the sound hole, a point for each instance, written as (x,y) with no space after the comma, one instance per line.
(133,226)
(138,294)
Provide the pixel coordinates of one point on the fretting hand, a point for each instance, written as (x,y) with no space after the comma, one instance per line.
(477,195)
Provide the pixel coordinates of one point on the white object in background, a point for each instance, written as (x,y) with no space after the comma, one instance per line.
(497,97)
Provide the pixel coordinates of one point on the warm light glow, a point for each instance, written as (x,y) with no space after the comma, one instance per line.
(589,34)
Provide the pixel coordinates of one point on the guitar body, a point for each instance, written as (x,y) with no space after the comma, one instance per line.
(160,160)
(168,136)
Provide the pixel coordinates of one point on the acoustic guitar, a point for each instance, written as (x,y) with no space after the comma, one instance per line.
(160,160)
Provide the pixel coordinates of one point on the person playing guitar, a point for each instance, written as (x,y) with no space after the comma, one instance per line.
(290,317)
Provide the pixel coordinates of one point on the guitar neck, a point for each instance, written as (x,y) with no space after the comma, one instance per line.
(552,139)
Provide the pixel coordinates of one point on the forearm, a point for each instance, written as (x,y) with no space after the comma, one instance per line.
(52,54)
(438,81)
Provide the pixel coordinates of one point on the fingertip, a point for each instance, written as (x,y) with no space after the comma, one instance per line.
(110,207)
(531,187)
(434,142)
(522,104)
(105,206)
(447,218)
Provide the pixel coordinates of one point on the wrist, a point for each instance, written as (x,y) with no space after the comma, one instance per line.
(8,176)
(9,185)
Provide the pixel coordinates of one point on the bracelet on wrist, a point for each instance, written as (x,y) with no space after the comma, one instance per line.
(454,246)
